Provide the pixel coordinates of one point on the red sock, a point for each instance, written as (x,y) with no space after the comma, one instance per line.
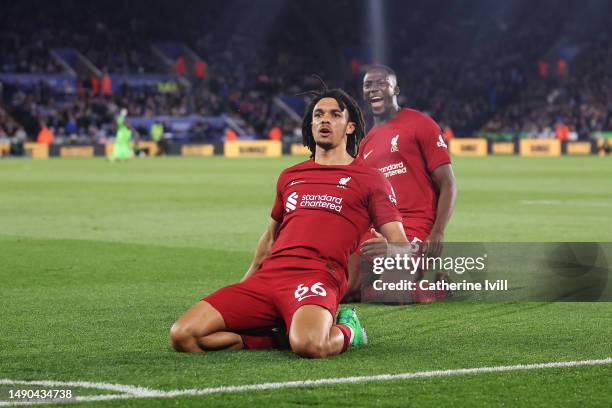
(347,336)
(257,342)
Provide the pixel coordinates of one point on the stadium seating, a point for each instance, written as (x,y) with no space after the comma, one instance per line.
(478,77)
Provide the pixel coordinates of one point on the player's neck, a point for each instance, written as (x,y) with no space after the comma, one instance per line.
(387,116)
(332,157)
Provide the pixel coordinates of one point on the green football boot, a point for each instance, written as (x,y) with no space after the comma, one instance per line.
(348,317)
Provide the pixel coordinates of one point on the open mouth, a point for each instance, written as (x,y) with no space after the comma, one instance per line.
(377,102)
(325,132)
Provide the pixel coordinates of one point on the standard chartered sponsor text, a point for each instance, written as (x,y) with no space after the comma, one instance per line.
(322,201)
(393,169)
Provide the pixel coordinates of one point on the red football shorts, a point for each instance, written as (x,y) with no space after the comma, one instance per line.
(276,291)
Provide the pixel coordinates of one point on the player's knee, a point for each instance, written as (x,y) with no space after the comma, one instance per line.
(180,337)
(309,348)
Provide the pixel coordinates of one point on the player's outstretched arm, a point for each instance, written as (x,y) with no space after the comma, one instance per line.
(378,246)
(263,247)
(393,232)
(444,179)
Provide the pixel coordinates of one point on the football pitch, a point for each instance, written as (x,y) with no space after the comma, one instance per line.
(97,260)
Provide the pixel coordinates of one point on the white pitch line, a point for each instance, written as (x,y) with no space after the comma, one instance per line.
(575,203)
(130,391)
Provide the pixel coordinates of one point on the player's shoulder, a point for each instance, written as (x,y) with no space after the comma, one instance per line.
(361,169)
(421,123)
(293,170)
(306,164)
(418,118)
(367,139)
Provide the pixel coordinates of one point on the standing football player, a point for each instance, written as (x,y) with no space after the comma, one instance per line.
(299,271)
(122,150)
(408,148)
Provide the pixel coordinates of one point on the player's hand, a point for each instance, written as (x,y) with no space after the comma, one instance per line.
(374,247)
(123,112)
(433,244)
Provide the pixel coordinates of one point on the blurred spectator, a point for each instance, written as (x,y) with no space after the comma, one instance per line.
(45,136)
(562,131)
(157,131)
(157,136)
(230,134)
(95,85)
(275,133)
(543,69)
(562,67)
(448,133)
(200,68)
(179,66)
(107,85)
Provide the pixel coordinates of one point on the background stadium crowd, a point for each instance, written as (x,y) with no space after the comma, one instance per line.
(517,69)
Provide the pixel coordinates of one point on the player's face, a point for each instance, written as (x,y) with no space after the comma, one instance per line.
(330,124)
(379,91)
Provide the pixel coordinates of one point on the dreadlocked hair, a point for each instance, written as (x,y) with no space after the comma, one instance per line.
(345,101)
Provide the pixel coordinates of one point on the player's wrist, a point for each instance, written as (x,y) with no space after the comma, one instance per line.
(399,249)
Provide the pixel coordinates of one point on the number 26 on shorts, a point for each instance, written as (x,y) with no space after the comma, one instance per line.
(302,292)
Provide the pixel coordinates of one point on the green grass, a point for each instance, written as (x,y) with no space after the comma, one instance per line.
(97,260)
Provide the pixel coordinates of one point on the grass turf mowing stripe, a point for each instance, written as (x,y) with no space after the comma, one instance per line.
(141,392)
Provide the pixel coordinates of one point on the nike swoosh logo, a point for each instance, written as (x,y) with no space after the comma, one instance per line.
(365,156)
(295,182)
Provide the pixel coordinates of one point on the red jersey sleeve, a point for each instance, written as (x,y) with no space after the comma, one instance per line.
(277,209)
(432,144)
(382,205)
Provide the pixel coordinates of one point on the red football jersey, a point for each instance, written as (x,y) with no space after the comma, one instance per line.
(406,150)
(323,210)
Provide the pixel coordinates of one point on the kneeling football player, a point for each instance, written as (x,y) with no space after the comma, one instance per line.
(299,270)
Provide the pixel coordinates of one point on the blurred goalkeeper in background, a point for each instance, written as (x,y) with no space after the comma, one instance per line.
(122,149)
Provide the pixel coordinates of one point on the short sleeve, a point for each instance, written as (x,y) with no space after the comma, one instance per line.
(432,144)
(382,204)
(277,209)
